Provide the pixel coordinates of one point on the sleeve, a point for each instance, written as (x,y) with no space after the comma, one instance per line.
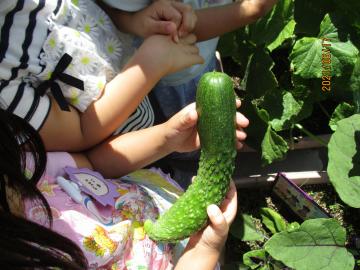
(19,98)
(128,5)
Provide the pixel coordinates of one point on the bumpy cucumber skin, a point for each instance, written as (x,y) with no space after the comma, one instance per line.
(215,101)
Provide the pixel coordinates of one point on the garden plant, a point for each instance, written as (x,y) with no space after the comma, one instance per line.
(298,73)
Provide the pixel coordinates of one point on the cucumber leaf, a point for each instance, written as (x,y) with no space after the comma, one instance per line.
(258,76)
(286,33)
(272,220)
(343,110)
(317,244)
(244,228)
(267,29)
(255,258)
(307,53)
(273,146)
(344,160)
(282,109)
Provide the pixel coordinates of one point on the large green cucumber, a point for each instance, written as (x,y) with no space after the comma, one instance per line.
(215,104)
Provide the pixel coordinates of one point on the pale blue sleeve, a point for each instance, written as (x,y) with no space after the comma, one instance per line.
(128,5)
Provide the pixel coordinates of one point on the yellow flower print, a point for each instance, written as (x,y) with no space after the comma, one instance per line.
(113,48)
(122,192)
(47,188)
(89,26)
(103,240)
(90,245)
(99,242)
(84,63)
(74,97)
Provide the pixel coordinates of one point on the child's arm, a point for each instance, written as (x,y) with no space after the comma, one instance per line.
(156,57)
(125,153)
(215,21)
(204,248)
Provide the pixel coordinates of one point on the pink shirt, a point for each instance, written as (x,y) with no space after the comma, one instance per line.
(122,245)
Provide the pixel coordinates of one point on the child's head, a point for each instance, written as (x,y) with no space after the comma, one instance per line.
(24,244)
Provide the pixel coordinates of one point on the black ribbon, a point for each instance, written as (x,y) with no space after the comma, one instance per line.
(58,74)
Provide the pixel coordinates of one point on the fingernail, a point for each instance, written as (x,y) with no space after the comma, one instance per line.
(213,210)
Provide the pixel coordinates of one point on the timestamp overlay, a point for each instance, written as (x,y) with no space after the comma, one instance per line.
(326,65)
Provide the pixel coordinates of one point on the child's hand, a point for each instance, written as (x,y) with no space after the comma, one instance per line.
(161,53)
(182,134)
(213,236)
(167,18)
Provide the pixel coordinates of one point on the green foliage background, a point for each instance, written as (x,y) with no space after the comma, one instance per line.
(283,60)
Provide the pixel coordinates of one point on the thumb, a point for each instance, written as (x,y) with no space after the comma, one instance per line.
(188,120)
(162,27)
(217,219)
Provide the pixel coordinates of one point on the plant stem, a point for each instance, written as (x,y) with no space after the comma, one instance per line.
(314,137)
(324,110)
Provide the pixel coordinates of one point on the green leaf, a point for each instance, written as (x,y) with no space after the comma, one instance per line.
(273,146)
(308,52)
(256,131)
(317,244)
(258,76)
(344,160)
(255,258)
(272,220)
(244,228)
(343,110)
(286,33)
(293,226)
(355,76)
(282,109)
(267,29)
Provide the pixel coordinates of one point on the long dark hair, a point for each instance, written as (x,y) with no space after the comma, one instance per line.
(25,244)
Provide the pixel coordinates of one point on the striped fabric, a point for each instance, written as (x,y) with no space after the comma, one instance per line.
(25,25)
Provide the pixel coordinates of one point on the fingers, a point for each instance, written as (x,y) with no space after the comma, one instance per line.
(188,120)
(241,121)
(163,28)
(217,219)
(188,18)
(188,39)
(229,205)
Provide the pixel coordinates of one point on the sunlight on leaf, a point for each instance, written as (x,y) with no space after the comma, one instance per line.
(317,244)
(343,159)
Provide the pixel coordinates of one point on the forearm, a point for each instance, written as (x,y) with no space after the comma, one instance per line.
(216,21)
(198,258)
(125,153)
(120,98)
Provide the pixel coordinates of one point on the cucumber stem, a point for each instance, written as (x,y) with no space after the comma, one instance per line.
(314,137)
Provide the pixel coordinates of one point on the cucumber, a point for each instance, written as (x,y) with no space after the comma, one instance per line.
(215,104)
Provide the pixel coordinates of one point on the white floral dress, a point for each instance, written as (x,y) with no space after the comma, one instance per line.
(62,48)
